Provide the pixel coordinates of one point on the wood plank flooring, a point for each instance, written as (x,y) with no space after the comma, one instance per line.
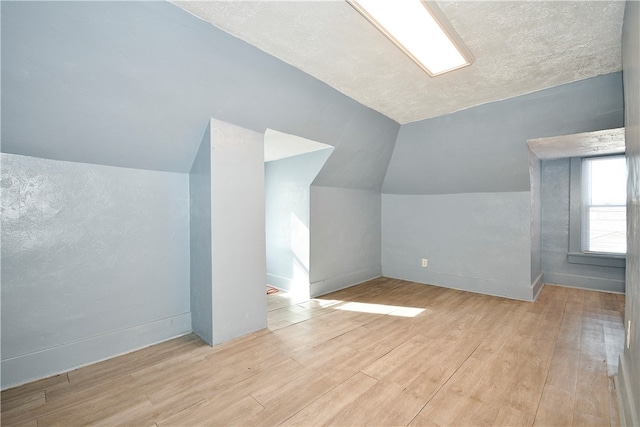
(386,352)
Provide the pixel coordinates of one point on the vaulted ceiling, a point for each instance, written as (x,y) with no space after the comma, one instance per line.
(519,47)
(134,84)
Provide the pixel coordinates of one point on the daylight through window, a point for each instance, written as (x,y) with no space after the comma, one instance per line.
(604,225)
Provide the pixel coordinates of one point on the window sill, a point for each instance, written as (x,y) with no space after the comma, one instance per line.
(605,260)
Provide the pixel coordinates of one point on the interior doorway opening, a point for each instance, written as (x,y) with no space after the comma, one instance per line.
(291,165)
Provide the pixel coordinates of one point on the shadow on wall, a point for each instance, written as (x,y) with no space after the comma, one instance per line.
(291,165)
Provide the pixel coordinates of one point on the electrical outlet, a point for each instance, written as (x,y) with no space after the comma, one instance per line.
(628,333)
(425,262)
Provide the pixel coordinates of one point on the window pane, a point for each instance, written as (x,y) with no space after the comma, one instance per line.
(608,183)
(605,194)
(607,229)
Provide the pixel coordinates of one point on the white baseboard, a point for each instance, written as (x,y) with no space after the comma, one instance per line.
(42,364)
(537,285)
(583,282)
(522,292)
(629,415)
(322,287)
(280,282)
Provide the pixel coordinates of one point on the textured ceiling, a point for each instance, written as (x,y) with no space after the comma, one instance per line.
(519,47)
(608,141)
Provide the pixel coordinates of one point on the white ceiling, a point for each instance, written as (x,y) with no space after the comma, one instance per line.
(519,47)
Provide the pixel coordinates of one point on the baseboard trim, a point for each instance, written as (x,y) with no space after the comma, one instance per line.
(462,283)
(326,286)
(537,286)
(616,385)
(280,282)
(43,364)
(627,401)
(583,282)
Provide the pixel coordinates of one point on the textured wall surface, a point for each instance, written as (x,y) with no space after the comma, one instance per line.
(535,174)
(237,231)
(476,242)
(144,78)
(95,262)
(483,149)
(629,372)
(287,200)
(569,41)
(361,154)
(555,236)
(201,292)
(345,237)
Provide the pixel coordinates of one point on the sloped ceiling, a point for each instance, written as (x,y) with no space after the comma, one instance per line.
(520,47)
(134,84)
(279,145)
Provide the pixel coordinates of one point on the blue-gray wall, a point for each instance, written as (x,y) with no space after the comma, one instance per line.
(134,83)
(535,172)
(345,238)
(478,242)
(555,236)
(201,291)
(227,226)
(362,152)
(95,263)
(483,149)
(239,274)
(458,189)
(142,79)
(629,371)
(287,201)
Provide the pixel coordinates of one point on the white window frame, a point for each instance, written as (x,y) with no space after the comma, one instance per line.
(576,253)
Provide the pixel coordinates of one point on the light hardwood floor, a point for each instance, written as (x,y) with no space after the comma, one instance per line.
(386,352)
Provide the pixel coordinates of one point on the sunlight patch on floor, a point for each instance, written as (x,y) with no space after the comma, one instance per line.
(392,310)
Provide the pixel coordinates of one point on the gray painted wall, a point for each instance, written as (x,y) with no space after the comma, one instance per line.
(478,158)
(629,371)
(95,263)
(201,291)
(237,231)
(535,174)
(555,236)
(361,153)
(345,238)
(483,149)
(142,78)
(478,242)
(287,200)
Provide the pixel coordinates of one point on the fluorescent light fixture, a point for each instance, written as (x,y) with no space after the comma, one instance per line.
(420,30)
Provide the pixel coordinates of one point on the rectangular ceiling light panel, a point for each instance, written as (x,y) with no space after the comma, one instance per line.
(420,30)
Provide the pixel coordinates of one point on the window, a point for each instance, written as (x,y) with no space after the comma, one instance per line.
(598,226)
(604,195)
